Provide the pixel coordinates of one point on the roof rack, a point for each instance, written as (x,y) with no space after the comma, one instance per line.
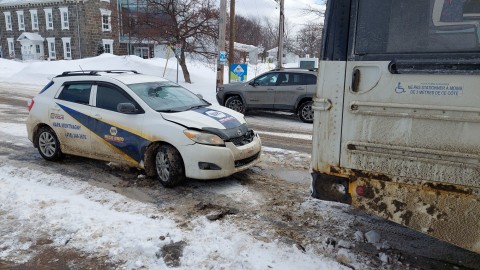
(94,72)
(295,68)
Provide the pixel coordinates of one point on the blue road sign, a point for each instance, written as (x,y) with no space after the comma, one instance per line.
(238,72)
(223,58)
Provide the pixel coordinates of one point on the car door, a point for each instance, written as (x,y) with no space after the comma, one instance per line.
(117,136)
(259,93)
(290,87)
(69,116)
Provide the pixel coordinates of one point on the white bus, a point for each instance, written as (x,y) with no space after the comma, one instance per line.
(397,113)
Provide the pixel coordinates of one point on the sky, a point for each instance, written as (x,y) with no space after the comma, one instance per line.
(270,9)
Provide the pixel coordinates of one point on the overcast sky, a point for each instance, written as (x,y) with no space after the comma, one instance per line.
(270,9)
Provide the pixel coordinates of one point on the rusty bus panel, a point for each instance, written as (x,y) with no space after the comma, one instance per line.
(448,212)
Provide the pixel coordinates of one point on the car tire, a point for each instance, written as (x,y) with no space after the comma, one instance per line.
(305,112)
(48,144)
(169,166)
(235,103)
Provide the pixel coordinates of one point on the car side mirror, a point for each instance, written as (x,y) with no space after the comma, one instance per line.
(126,108)
(253,83)
(200,96)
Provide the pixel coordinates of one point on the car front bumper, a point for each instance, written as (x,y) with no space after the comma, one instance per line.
(228,160)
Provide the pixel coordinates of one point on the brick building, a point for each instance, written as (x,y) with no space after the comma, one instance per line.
(52,29)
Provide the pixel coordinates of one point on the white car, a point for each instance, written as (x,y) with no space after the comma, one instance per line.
(142,121)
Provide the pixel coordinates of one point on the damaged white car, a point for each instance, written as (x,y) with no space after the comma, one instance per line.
(142,121)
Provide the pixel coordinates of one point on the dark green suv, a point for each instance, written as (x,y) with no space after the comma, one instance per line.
(286,90)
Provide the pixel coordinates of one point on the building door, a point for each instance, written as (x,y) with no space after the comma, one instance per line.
(27,49)
(142,52)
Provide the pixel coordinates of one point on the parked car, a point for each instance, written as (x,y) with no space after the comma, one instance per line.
(142,121)
(285,89)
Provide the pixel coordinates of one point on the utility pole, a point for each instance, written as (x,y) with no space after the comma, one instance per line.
(231,43)
(280,35)
(221,41)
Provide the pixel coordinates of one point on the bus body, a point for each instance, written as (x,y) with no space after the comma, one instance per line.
(397,114)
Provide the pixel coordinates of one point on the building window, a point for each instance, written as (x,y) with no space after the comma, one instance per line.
(37,48)
(64,17)
(51,48)
(67,48)
(34,19)
(48,18)
(8,20)
(106,20)
(108,45)
(21,20)
(11,47)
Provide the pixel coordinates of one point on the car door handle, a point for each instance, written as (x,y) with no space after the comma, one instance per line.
(270,89)
(97,116)
(300,88)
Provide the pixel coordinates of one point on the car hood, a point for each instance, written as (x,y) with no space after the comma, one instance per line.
(214,116)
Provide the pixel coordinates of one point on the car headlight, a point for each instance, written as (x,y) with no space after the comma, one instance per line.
(203,137)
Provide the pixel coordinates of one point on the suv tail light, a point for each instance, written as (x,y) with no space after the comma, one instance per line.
(30,104)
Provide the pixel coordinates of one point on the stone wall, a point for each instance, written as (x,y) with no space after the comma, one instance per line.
(85,27)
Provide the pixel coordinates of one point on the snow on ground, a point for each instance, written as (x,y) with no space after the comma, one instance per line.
(288,135)
(39,73)
(74,213)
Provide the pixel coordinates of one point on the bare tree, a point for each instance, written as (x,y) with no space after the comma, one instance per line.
(309,39)
(316,11)
(191,23)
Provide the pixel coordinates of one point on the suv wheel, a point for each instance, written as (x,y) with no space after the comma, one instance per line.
(235,103)
(169,166)
(305,112)
(48,144)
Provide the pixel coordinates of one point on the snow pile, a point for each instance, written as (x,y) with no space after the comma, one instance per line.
(77,214)
(39,73)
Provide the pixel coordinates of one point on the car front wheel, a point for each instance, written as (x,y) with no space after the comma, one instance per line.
(48,144)
(235,103)
(169,166)
(305,112)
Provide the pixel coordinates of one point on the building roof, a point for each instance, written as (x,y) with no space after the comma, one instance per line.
(30,36)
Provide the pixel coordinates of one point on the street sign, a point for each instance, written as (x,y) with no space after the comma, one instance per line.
(223,58)
(178,49)
(238,72)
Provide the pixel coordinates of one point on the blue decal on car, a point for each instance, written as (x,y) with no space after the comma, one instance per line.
(127,142)
(225,119)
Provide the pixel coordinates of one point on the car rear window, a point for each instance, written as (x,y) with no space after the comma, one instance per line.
(311,79)
(76,92)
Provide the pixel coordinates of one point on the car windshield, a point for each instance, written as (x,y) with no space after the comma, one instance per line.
(167,96)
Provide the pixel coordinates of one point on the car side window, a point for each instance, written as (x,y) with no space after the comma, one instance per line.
(311,79)
(76,92)
(108,97)
(296,79)
(269,79)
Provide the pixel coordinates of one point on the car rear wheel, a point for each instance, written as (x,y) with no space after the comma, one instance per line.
(305,112)
(235,103)
(48,144)
(169,166)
